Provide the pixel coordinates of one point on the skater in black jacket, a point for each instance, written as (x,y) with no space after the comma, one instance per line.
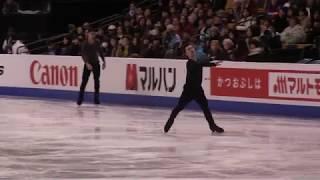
(90,51)
(193,90)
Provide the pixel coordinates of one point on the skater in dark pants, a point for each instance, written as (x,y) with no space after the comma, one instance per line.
(90,50)
(193,90)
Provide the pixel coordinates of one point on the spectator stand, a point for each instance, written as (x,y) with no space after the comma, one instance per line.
(246,31)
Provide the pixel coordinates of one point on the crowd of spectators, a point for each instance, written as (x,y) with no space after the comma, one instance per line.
(247,28)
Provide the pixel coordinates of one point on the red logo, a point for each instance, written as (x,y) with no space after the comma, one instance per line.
(131,78)
(53,75)
(295,85)
(239,82)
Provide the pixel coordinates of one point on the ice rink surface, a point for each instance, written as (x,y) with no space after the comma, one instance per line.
(44,139)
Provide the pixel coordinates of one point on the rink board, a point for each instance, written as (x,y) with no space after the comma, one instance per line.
(283,89)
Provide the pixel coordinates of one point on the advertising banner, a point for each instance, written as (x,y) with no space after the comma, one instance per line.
(266,84)
(270,83)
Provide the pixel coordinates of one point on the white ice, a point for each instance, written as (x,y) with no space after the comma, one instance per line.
(45,139)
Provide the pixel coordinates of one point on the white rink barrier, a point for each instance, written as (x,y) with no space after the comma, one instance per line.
(285,89)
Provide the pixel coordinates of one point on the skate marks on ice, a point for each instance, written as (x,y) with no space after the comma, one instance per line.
(42,139)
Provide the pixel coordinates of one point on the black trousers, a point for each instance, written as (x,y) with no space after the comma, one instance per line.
(186,97)
(85,78)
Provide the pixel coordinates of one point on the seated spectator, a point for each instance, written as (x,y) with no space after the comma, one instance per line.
(190,24)
(64,48)
(154,50)
(75,48)
(8,41)
(215,50)
(145,46)
(10,7)
(266,27)
(19,47)
(123,47)
(252,33)
(273,6)
(294,33)
(314,32)
(280,21)
(86,26)
(316,16)
(304,19)
(120,32)
(268,37)
(100,34)
(246,20)
(292,12)
(112,31)
(79,31)
(127,26)
(52,49)
(229,48)
(241,51)
(106,49)
(255,48)
(72,30)
(172,42)
(134,49)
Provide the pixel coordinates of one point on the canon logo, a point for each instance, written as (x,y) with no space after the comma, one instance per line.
(53,74)
(1,70)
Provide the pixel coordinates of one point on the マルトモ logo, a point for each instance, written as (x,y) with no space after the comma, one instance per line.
(1,70)
(54,75)
(298,85)
(150,78)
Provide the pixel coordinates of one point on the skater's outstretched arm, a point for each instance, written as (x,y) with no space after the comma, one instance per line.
(209,62)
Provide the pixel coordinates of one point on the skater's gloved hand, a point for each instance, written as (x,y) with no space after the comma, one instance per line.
(89,66)
(103,65)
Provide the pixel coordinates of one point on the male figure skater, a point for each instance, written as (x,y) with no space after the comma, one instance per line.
(193,91)
(89,52)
